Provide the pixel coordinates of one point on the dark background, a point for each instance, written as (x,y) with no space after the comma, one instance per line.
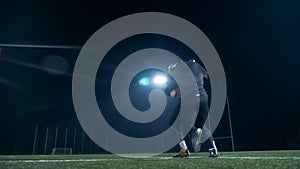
(258,43)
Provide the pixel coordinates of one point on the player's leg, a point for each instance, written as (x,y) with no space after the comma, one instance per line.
(201,129)
(184,152)
(213,151)
(196,141)
(200,120)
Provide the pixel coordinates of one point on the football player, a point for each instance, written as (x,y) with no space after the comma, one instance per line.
(201,76)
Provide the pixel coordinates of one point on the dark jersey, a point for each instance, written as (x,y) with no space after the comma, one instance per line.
(198,71)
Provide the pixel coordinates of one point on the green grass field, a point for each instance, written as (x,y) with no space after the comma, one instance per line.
(254,159)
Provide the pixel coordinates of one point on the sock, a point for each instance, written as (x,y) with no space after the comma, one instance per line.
(214,145)
(182,145)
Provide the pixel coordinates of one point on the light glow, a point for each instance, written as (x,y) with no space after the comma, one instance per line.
(160,80)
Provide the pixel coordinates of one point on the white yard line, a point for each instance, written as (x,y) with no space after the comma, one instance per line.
(233,157)
(153,158)
(57,161)
(263,158)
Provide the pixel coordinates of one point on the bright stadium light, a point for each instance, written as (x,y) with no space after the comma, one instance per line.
(160,79)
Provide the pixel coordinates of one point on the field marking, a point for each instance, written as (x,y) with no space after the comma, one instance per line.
(233,157)
(264,158)
(57,161)
(153,158)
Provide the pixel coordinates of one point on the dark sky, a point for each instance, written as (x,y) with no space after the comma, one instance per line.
(258,43)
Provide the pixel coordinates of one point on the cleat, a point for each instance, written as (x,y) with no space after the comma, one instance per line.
(183,153)
(213,153)
(196,140)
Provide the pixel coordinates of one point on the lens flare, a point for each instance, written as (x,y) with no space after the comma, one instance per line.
(144,81)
